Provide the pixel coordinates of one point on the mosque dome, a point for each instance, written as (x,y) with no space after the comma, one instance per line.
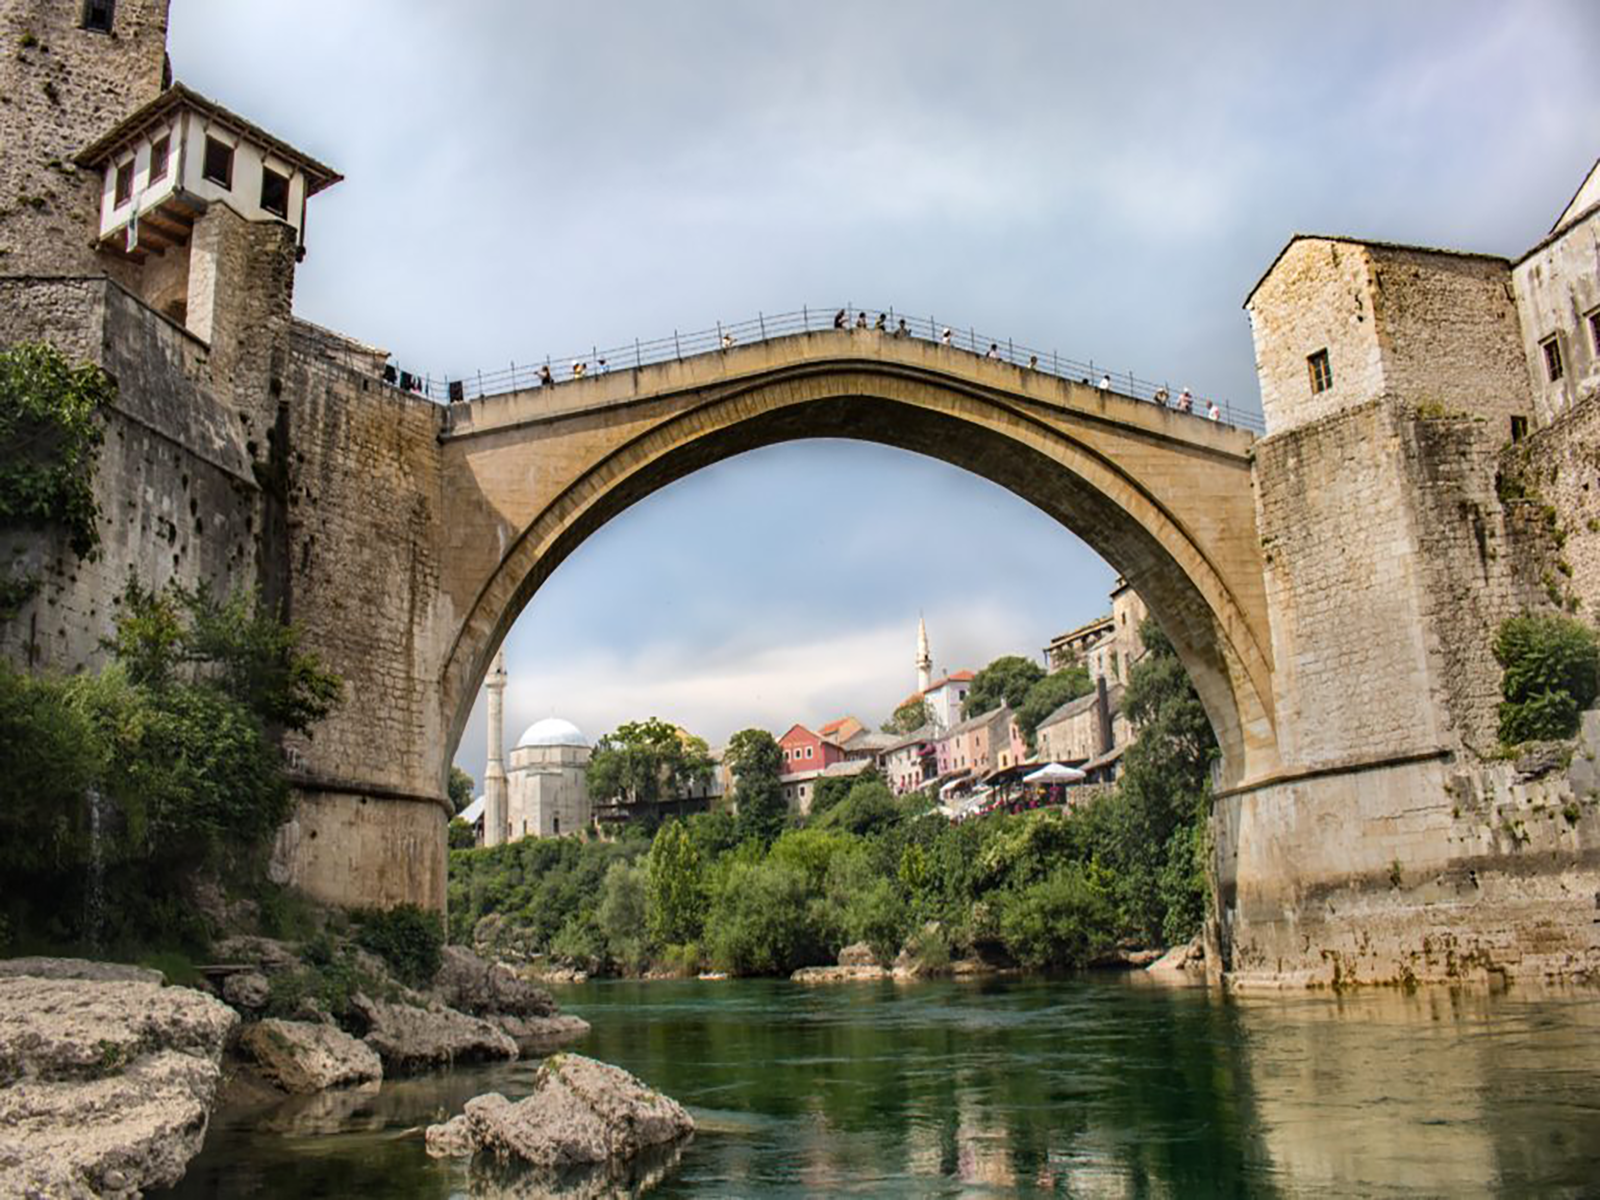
(552,731)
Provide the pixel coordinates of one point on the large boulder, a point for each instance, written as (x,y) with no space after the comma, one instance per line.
(106,1087)
(858,954)
(247,991)
(480,987)
(406,1037)
(303,1058)
(1187,961)
(580,1111)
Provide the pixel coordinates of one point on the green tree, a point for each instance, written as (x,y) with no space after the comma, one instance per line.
(1551,668)
(1064,920)
(676,886)
(234,643)
(621,916)
(754,757)
(646,762)
(1164,789)
(460,788)
(1049,694)
(911,716)
(51,430)
(461,835)
(828,791)
(1004,681)
(761,921)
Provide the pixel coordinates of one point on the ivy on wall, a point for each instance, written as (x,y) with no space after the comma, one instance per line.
(51,429)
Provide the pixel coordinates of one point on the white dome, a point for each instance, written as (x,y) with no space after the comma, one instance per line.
(552,731)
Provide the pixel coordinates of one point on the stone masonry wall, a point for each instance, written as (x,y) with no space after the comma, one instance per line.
(61,87)
(1448,330)
(1442,870)
(1345,590)
(178,497)
(1555,473)
(1317,296)
(362,537)
(1558,294)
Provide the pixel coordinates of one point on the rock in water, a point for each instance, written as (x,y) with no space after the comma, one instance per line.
(581,1111)
(480,987)
(303,1058)
(407,1037)
(107,1085)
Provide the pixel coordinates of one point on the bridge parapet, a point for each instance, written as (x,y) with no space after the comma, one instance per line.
(587,365)
(831,349)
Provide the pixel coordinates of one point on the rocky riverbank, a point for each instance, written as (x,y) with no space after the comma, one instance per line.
(108,1078)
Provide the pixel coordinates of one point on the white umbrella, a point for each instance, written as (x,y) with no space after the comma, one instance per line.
(1055,773)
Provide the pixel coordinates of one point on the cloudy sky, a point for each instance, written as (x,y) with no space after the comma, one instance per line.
(530,179)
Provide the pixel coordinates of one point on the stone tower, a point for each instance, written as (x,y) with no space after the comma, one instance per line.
(494,773)
(71,70)
(924,657)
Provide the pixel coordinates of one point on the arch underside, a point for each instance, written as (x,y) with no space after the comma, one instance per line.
(1082,487)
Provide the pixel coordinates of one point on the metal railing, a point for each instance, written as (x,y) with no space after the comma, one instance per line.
(887,322)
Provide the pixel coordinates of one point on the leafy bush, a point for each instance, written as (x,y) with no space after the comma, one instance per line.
(1551,674)
(878,917)
(408,938)
(1064,920)
(50,436)
(759,923)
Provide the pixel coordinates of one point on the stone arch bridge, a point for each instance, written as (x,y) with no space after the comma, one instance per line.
(1163,496)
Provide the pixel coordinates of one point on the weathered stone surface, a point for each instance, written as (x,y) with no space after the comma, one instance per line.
(248,990)
(108,1085)
(540,1035)
(453,1139)
(1188,960)
(407,1037)
(858,954)
(79,968)
(580,1111)
(302,1057)
(839,974)
(478,986)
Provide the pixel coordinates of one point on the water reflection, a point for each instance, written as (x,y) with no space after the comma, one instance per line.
(1088,1087)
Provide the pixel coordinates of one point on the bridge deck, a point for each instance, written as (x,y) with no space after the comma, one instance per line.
(617,388)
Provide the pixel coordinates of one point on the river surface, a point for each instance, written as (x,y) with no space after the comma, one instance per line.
(1086,1086)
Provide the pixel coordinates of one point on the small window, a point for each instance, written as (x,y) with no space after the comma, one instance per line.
(1552,358)
(98,15)
(124,191)
(555,825)
(1321,372)
(1594,330)
(1519,428)
(808,751)
(219,162)
(159,154)
(275,193)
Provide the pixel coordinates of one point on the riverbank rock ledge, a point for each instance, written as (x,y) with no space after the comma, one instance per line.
(406,1037)
(106,1085)
(856,962)
(581,1111)
(481,987)
(302,1058)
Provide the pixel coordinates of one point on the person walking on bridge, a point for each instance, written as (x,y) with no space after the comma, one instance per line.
(902,330)
(994,350)
(944,338)
(545,378)
(1185,401)
(840,319)
(861,319)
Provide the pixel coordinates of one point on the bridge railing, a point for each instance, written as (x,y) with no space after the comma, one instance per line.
(597,360)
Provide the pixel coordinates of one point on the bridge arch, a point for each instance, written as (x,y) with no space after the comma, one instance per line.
(1163,497)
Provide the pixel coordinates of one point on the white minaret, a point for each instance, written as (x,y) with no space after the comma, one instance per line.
(924,658)
(495,829)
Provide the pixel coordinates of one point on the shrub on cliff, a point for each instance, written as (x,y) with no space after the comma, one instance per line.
(1551,674)
(408,938)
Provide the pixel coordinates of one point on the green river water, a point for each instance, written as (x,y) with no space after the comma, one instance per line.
(1087,1086)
